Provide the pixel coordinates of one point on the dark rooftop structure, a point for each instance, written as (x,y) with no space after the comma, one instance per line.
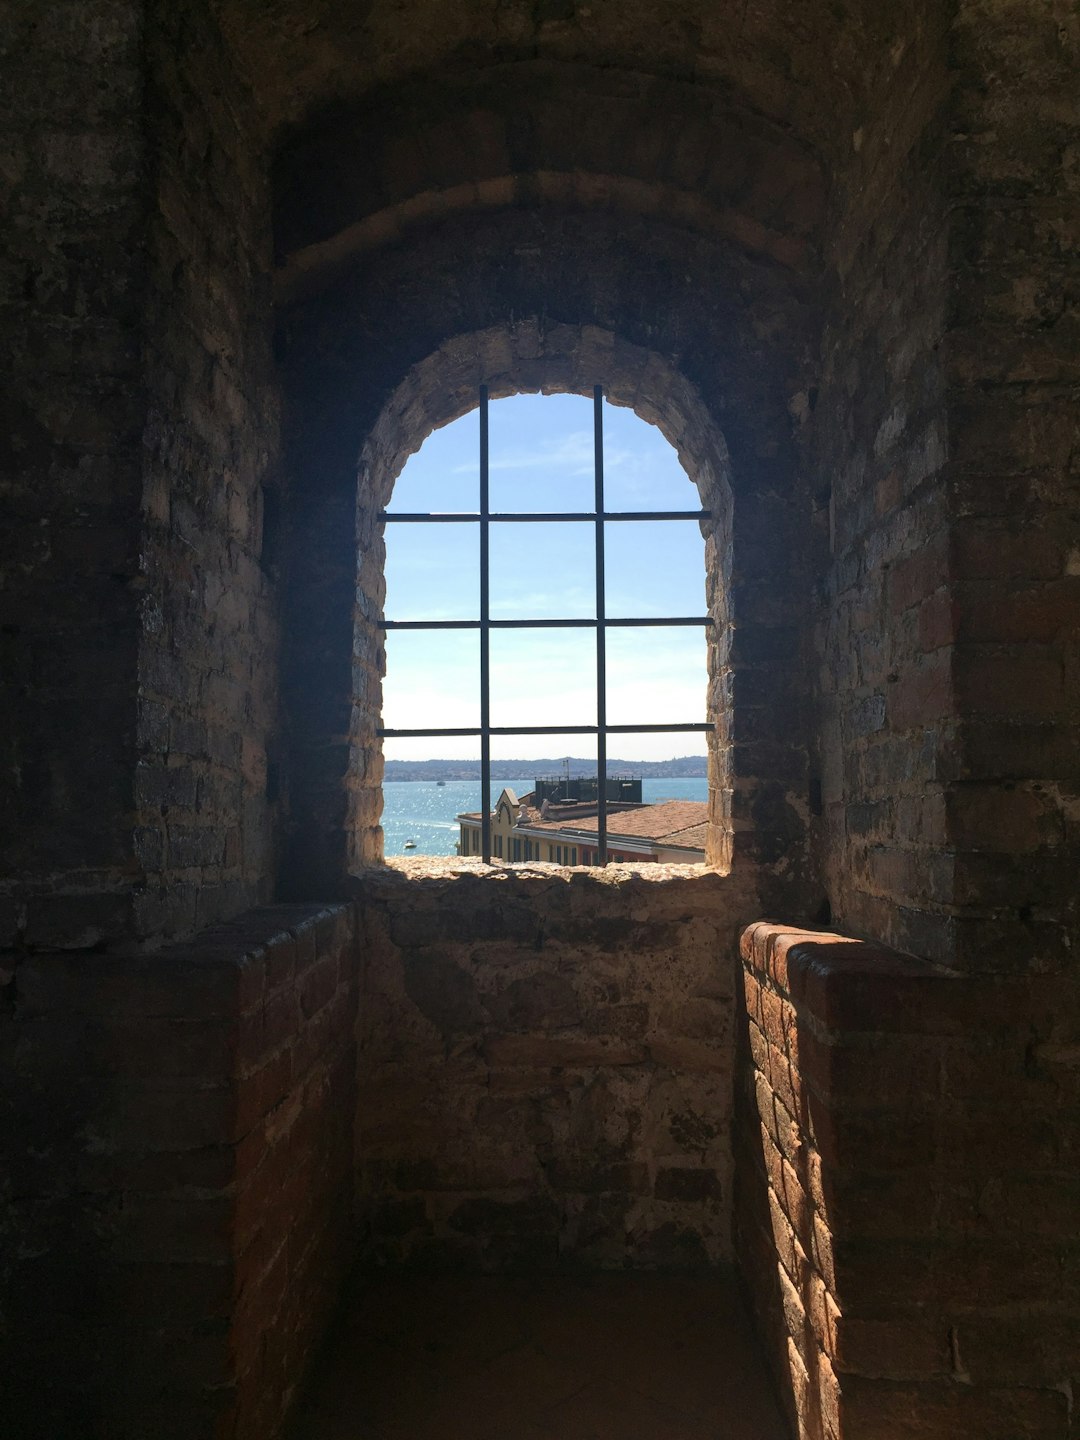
(619,788)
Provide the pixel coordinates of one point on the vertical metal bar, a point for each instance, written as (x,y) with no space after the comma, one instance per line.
(601,632)
(485,636)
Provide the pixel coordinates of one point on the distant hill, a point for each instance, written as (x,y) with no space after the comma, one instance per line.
(684,767)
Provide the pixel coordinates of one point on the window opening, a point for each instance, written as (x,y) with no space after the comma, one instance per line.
(600,623)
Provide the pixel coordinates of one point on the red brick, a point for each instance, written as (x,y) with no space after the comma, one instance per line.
(960,1412)
(180,1231)
(543,1051)
(937,621)
(999,818)
(317,985)
(261,1091)
(923,693)
(914,1348)
(1010,680)
(993,552)
(919,575)
(1042,615)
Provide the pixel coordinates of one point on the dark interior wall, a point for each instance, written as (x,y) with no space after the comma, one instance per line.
(140,427)
(1014,388)
(139,680)
(927,1250)
(943,456)
(72,282)
(877,451)
(208,652)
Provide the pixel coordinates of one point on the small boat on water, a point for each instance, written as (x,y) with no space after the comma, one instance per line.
(440,783)
(410,844)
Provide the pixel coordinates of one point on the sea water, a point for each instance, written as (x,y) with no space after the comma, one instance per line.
(423,811)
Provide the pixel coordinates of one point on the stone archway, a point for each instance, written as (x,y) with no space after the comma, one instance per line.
(478,201)
(510,359)
(725,337)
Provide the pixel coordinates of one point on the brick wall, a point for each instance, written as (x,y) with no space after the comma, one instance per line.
(177,1209)
(546,1065)
(907,1143)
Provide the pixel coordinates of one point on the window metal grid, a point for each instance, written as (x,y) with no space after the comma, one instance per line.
(599,518)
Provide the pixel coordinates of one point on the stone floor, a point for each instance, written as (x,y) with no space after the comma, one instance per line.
(600,1357)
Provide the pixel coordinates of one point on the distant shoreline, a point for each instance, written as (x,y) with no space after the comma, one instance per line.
(685,767)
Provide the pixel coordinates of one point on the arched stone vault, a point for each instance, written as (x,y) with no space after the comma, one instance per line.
(510,136)
(301,58)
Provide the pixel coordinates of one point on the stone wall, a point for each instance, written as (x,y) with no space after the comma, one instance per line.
(138,626)
(878,445)
(205,796)
(72,277)
(945,426)
(177,1207)
(546,1062)
(906,1175)
(850,234)
(1011,361)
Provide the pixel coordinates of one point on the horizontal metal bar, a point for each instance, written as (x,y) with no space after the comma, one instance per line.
(542,624)
(615,516)
(405,734)
(429,624)
(555,730)
(624,624)
(436,517)
(698,725)
(543,729)
(465,517)
(632,622)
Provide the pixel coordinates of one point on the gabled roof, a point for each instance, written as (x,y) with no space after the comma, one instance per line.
(673,822)
(680,823)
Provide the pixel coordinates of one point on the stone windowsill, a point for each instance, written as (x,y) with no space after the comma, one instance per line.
(439,867)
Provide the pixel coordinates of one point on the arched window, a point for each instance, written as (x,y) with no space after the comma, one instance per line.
(546,591)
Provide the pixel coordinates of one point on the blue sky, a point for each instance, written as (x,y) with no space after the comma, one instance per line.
(541,459)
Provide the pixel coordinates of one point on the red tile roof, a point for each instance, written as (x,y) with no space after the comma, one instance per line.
(671,821)
(681,823)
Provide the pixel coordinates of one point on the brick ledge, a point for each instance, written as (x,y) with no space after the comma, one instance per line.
(856,985)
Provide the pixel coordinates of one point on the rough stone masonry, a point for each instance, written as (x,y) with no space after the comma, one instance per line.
(250,256)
